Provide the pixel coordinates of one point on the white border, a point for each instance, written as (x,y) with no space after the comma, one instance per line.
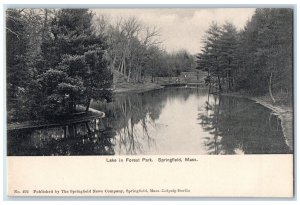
(207,3)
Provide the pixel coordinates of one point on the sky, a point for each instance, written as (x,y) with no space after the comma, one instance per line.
(182,28)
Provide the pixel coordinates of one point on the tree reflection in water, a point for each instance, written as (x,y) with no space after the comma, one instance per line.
(239,126)
(128,128)
(88,138)
(133,118)
(163,121)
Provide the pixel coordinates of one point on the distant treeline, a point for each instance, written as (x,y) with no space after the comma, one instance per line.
(258,59)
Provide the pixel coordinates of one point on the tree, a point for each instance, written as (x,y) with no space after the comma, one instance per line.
(267,39)
(279,46)
(18,68)
(17,43)
(129,42)
(210,56)
(99,78)
(228,53)
(26,29)
(257,60)
(77,67)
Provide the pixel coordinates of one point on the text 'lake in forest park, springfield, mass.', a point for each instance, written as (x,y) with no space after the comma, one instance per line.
(151,160)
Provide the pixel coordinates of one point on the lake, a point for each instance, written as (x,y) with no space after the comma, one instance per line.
(169,121)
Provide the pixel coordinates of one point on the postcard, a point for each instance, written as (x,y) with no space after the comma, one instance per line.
(159,102)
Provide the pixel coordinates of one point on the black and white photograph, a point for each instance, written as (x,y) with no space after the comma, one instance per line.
(149,81)
(191,101)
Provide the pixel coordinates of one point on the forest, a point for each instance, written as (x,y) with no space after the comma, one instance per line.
(60,58)
(257,60)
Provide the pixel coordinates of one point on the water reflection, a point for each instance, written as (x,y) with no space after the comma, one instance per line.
(87,138)
(135,118)
(239,126)
(164,122)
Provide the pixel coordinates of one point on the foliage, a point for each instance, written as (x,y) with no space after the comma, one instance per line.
(219,56)
(267,42)
(76,58)
(60,58)
(257,59)
(67,65)
(135,52)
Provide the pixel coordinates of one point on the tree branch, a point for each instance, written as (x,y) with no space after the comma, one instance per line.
(13,32)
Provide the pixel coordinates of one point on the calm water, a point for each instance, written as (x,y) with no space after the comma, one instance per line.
(167,121)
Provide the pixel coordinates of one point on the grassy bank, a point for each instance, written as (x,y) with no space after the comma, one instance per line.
(284,112)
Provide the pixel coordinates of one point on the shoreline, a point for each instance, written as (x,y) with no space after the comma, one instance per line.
(284,113)
(90,115)
(136,88)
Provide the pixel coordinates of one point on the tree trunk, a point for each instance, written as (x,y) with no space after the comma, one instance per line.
(140,75)
(270,88)
(128,78)
(44,25)
(88,104)
(121,66)
(113,63)
(124,67)
(228,82)
(71,104)
(219,82)
(65,131)
(88,127)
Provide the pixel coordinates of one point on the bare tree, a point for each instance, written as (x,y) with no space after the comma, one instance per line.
(129,41)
